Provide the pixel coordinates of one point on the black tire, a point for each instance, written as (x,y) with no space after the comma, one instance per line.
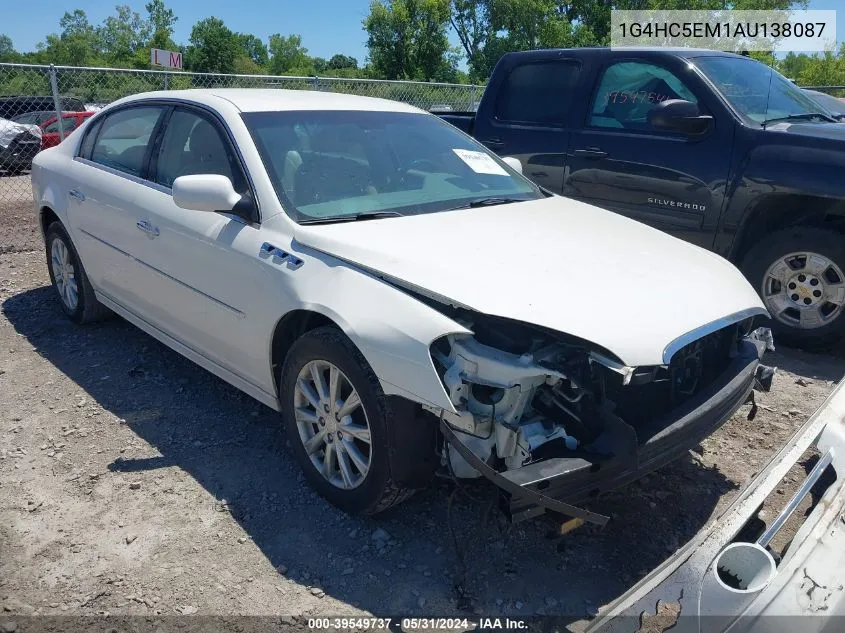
(87,308)
(778,245)
(379,489)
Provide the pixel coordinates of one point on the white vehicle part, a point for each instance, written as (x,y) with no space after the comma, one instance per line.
(543,251)
(808,581)
(491,391)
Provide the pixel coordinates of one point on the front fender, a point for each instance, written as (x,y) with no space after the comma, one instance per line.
(392,329)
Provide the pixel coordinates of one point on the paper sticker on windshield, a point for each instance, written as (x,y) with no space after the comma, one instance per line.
(480,163)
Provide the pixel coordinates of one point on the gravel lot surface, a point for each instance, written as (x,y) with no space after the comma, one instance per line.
(133,482)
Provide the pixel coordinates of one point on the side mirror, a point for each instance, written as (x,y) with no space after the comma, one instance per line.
(679,115)
(513,163)
(205,192)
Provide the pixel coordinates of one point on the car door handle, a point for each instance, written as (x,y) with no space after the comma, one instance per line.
(76,193)
(494,143)
(149,229)
(590,152)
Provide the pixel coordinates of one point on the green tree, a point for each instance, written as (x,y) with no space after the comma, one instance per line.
(407,38)
(212,47)
(76,45)
(162,22)
(339,61)
(287,55)
(7,49)
(253,48)
(123,35)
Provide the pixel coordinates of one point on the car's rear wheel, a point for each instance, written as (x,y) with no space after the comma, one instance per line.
(800,275)
(76,295)
(337,420)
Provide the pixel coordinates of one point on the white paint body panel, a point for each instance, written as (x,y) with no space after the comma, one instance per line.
(203,287)
(558,263)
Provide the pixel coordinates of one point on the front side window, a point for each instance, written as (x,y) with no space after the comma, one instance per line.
(192,145)
(123,138)
(759,93)
(335,165)
(628,91)
(538,93)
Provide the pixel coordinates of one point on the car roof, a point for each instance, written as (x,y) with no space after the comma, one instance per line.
(646,51)
(275,100)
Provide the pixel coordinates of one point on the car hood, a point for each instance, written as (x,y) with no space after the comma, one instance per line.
(829,131)
(556,263)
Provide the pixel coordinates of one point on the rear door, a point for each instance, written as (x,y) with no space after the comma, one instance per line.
(106,178)
(529,114)
(618,161)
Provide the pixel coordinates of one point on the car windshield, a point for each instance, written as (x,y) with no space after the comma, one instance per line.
(343,165)
(759,93)
(830,103)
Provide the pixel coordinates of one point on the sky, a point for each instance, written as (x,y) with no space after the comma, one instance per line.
(326,26)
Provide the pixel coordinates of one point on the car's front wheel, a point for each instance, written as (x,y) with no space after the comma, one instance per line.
(337,419)
(800,275)
(69,278)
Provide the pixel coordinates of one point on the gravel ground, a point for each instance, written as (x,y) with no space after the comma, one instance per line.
(134,483)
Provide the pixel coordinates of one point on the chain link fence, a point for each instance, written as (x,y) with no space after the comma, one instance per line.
(31,96)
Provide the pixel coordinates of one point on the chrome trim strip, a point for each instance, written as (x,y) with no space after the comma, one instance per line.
(796,499)
(709,328)
(237,312)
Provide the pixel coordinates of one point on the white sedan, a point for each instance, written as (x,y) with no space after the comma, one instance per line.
(406,299)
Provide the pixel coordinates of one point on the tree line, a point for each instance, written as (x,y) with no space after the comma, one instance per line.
(405,39)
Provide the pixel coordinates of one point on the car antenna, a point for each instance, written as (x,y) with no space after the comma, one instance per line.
(768,97)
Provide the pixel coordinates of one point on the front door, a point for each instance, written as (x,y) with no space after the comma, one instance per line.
(671,181)
(207,285)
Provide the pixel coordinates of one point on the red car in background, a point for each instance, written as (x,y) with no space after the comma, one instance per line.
(50,128)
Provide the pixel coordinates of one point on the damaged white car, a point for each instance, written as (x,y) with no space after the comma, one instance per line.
(407,300)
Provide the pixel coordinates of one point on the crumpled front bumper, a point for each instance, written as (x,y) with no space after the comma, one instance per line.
(804,592)
(552,484)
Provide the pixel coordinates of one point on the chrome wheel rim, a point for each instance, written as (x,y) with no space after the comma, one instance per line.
(332,424)
(64,274)
(804,290)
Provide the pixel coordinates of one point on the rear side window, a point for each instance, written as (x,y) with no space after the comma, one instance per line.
(538,93)
(123,138)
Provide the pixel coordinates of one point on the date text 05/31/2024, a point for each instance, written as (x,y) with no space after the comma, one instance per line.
(438,624)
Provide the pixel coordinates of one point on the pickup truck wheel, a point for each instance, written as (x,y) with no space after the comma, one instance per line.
(800,275)
(76,295)
(337,417)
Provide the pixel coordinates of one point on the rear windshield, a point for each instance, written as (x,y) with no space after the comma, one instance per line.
(334,164)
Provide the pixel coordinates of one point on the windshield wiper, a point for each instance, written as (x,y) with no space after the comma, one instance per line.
(487,202)
(807,116)
(371,215)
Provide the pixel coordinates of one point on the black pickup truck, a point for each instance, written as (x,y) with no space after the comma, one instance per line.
(715,148)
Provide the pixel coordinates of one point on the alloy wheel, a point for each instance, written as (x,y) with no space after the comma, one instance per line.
(332,424)
(64,274)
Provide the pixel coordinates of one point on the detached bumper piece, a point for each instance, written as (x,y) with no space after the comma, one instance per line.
(554,484)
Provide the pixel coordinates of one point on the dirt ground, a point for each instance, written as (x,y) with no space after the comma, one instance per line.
(134,483)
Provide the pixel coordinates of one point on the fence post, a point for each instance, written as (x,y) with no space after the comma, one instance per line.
(316,82)
(57,102)
(167,81)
